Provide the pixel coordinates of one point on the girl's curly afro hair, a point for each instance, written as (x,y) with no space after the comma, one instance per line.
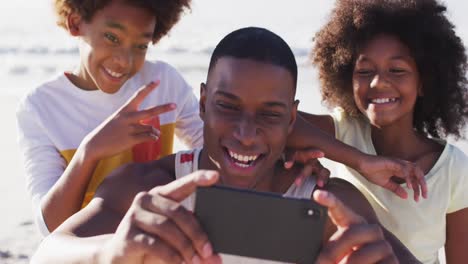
(423,27)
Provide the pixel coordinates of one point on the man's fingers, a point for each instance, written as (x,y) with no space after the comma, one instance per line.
(181,188)
(187,222)
(155,251)
(140,95)
(346,242)
(340,214)
(375,252)
(396,188)
(163,227)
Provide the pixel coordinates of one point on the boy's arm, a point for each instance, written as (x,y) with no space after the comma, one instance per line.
(87,236)
(314,131)
(457,237)
(120,131)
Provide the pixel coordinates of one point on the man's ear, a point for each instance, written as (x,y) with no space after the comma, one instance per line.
(293,116)
(202,101)
(73,24)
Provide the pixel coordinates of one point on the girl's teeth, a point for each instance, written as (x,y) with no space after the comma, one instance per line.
(383,100)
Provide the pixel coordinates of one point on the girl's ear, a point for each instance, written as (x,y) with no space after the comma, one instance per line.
(73,24)
(420,90)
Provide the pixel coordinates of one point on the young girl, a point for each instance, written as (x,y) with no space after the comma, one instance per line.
(396,73)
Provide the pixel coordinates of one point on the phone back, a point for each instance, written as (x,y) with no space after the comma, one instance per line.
(261,225)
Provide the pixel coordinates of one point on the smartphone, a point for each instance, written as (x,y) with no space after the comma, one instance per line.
(261,225)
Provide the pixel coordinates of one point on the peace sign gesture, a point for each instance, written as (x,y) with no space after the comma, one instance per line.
(127,127)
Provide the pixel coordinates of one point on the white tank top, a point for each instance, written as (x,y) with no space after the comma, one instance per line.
(186,162)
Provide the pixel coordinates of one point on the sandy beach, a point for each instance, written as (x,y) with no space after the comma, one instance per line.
(18,235)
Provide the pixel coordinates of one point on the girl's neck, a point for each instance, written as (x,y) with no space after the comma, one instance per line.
(402,141)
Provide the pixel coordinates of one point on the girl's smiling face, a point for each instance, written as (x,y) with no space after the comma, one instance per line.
(386,81)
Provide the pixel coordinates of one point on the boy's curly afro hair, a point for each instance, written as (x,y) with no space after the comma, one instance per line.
(167,12)
(423,27)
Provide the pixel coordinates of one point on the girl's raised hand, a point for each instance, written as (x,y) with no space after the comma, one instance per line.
(125,128)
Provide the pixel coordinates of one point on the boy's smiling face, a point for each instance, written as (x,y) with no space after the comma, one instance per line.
(248,110)
(113,45)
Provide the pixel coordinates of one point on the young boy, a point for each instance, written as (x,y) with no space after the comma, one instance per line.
(78,127)
(248,109)
(81,125)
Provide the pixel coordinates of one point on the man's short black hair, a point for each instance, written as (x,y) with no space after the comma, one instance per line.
(257,44)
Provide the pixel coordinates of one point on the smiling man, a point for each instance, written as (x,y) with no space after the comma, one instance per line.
(142,212)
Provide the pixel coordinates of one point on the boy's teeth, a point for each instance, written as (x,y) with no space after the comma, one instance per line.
(114,74)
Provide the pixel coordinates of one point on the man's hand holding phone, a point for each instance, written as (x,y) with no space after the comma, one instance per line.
(158,229)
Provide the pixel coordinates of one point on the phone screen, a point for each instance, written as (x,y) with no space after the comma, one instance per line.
(261,225)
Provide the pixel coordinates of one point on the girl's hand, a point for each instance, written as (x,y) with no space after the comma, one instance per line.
(126,127)
(388,172)
(309,159)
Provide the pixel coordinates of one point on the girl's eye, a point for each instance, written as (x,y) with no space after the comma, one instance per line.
(364,72)
(111,38)
(397,71)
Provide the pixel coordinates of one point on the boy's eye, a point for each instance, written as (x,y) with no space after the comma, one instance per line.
(143,47)
(111,38)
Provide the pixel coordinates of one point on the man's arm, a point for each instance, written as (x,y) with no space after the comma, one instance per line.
(355,201)
(81,238)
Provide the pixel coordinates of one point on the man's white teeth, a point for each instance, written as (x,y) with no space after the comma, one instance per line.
(242,158)
(383,100)
(114,74)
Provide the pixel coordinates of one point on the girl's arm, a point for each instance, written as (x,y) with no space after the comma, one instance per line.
(456,245)
(318,131)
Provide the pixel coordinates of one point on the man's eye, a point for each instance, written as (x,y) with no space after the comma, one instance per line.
(111,38)
(271,115)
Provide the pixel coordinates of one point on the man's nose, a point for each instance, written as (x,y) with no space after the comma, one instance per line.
(246,131)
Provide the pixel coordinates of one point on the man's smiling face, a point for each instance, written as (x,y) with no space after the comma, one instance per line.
(248,109)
